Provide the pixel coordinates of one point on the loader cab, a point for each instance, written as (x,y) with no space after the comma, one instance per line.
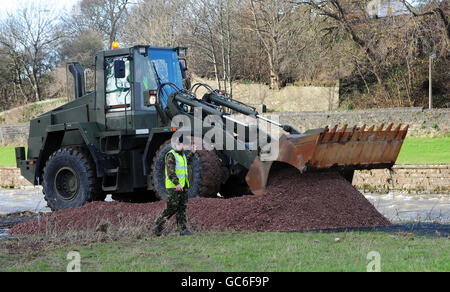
(128,80)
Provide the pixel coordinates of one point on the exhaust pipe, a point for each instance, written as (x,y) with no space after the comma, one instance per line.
(77,71)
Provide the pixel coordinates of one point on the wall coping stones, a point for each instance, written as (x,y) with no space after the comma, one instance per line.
(374,111)
(421,166)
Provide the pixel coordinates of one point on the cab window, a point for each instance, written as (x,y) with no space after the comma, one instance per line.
(118,90)
(145,75)
(166,64)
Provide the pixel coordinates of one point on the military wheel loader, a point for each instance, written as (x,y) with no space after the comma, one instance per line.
(113,140)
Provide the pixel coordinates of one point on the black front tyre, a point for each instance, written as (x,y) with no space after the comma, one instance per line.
(70,180)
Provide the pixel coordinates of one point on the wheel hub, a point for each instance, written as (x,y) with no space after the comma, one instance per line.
(67,183)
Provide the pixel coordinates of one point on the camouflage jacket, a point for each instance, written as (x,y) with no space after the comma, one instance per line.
(172,164)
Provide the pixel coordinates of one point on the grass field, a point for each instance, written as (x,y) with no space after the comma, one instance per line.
(425,151)
(414,151)
(7,156)
(230,252)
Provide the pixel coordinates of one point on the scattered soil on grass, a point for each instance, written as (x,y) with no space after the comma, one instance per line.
(292,202)
(9,220)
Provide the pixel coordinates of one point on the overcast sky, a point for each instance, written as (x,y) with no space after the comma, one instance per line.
(11,5)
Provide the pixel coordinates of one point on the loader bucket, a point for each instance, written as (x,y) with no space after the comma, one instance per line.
(340,150)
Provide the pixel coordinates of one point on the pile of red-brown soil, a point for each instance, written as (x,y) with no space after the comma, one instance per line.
(292,202)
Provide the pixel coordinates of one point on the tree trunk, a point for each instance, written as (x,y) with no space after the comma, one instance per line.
(275,81)
(229,51)
(222,44)
(225,75)
(216,69)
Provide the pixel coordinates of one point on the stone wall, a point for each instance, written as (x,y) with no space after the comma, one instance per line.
(434,122)
(10,178)
(414,178)
(422,122)
(14,134)
(291,98)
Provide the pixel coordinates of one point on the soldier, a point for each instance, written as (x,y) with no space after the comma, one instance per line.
(177,186)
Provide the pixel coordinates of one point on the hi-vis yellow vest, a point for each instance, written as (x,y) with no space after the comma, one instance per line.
(181,171)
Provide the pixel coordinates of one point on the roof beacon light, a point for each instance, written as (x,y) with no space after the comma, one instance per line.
(115,45)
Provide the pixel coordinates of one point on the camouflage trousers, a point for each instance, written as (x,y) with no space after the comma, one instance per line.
(176,205)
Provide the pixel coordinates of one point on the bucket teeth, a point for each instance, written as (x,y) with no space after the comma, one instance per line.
(365,135)
(348,135)
(339,149)
(389,128)
(329,135)
(393,134)
(357,135)
(338,135)
(402,134)
(381,133)
(344,135)
(386,132)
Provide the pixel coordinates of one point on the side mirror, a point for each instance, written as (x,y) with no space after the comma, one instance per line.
(119,69)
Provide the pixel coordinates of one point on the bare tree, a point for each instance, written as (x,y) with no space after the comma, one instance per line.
(275,24)
(439,9)
(81,47)
(9,88)
(202,34)
(226,11)
(155,22)
(379,61)
(105,16)
(29,36)
(337,12)
(210,31)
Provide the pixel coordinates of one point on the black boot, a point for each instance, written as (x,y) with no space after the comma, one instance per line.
(158,229)
(186,232)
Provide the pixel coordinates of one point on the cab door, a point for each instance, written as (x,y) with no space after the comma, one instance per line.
(118,94)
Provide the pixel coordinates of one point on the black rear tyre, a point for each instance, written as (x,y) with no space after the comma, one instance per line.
(70,180)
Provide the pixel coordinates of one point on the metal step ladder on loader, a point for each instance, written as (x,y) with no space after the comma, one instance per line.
(110,147)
